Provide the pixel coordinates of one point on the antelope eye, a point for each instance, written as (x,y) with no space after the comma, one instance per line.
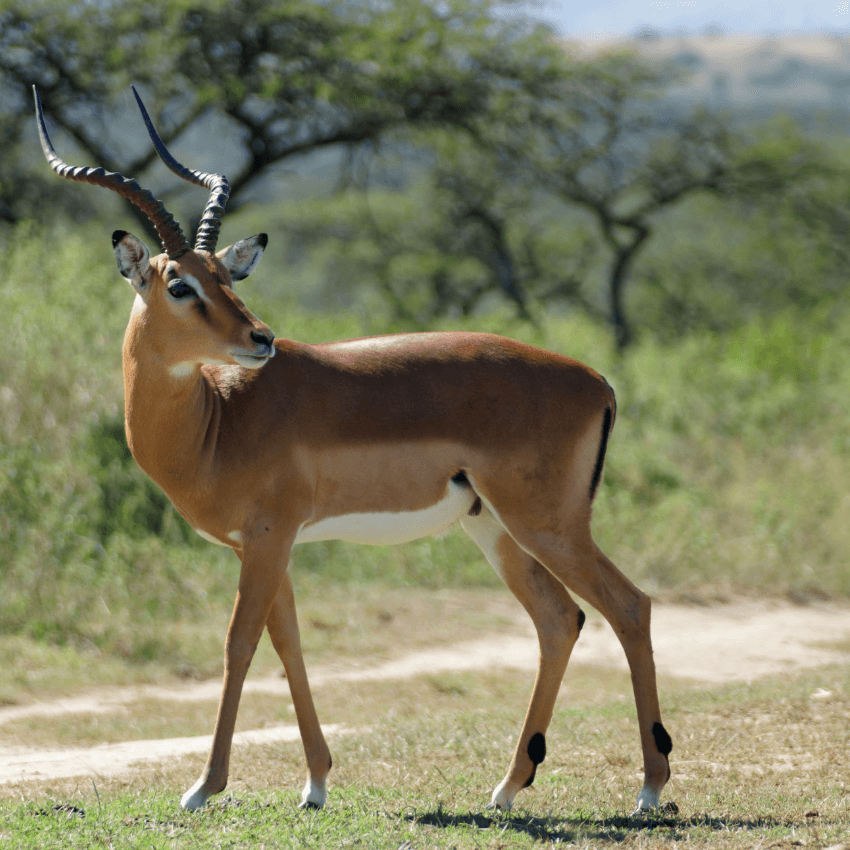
(178,289)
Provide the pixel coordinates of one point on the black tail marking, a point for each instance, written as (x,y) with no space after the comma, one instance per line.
(600,457)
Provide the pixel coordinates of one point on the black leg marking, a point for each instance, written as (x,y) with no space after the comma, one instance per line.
(476,507)
(330,760)
(537,748)
(662,740)
(581,619)
(537,753)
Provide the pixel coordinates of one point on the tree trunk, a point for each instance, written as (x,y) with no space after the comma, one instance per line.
(623,258)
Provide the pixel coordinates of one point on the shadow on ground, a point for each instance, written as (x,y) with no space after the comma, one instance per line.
(569,829)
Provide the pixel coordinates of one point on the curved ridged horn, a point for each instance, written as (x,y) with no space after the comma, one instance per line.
(170,234)
(216,183)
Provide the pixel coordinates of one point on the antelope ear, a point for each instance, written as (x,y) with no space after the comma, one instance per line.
(133,260)
(241,258)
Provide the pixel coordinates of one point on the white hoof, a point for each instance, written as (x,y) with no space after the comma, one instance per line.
(314,795)
(647,800)
(194,798)
(500,798)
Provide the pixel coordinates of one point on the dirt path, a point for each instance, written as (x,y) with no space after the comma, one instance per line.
(713,645)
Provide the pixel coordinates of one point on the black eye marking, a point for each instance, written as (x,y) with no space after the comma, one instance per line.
(180,289)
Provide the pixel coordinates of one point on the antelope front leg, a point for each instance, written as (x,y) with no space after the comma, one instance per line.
(259,582)
(283,630)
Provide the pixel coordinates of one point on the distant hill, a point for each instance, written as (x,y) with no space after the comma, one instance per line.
(807,76)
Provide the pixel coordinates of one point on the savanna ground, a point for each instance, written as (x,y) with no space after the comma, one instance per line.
(758,760)
(726,480)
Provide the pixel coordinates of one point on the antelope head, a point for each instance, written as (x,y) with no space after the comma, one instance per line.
(185,293)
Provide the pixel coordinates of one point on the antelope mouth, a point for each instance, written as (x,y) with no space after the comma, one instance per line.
(254,359)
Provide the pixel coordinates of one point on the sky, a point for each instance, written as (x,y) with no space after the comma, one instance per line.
(606,18)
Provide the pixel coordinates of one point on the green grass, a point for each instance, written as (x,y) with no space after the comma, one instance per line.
(762,765)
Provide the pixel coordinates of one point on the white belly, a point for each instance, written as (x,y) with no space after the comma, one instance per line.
(392,526)
(232,536)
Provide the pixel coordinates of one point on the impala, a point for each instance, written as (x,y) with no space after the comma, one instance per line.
(262,443)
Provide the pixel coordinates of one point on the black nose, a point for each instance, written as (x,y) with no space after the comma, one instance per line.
(262,339)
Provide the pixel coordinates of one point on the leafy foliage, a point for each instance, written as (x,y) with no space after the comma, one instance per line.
(486,168)
(289,76)
(92,554)
(484,162)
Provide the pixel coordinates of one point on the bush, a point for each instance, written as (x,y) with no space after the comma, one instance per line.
(727,468)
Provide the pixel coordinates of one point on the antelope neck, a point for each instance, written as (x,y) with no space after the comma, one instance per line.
(172,422)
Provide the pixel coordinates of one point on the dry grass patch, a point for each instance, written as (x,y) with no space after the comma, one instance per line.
(349,703)
(338,624)
(753,766)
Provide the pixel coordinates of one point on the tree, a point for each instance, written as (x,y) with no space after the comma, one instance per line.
(456,237)
(610,146)
(524,174)
(290,76)
(565,184)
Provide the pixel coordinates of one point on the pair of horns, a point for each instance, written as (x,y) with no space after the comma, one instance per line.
(170,234)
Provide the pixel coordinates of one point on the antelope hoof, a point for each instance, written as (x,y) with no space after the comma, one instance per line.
(314,796)
(647,801)
(501,799)
(195,798)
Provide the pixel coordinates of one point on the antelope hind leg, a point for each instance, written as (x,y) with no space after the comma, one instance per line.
(558,620)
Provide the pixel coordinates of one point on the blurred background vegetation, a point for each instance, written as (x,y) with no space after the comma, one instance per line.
(421,165)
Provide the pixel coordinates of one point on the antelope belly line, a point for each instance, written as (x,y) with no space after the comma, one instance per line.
(391,527)
(233,536)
